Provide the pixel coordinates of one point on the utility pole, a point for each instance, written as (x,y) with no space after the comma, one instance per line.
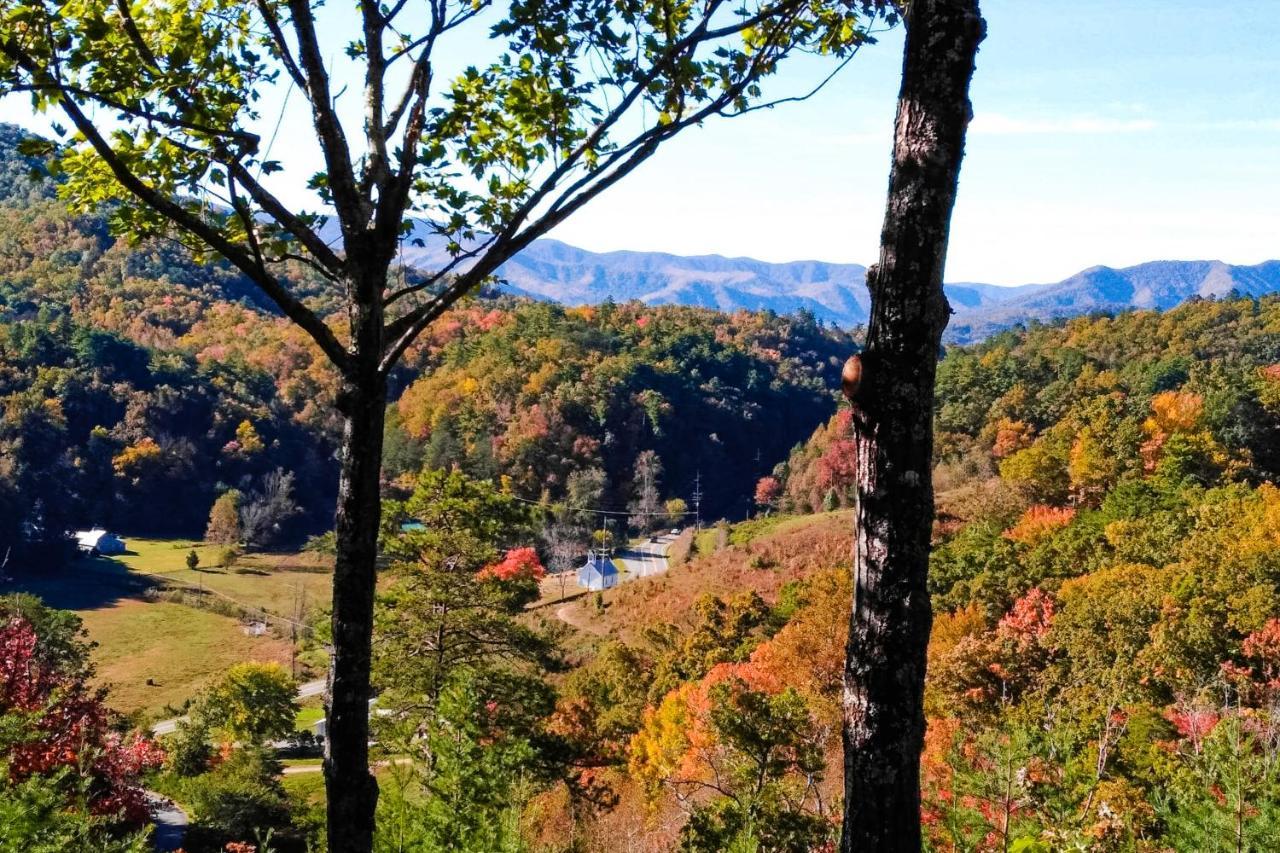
(698,501)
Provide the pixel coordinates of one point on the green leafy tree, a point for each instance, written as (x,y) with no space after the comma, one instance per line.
(238,801)
(1227,797)
(769,754)
(34,818)
(470,800)
(461,673)
(189,748)
(570,100)
(253,702)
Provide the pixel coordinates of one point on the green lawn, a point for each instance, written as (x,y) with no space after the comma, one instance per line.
(305,788)
(309,787)
(178,647)
(308,716)
(268,581)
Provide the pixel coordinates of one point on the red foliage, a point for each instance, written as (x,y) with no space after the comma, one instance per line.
(69,729)
(768,490)
(1030,617)
(491,320)
(1262,648)
(519,564)
(838,467)
(1193,722)
(1258,678)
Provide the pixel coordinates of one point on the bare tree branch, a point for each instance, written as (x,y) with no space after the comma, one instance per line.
(272,21)
(353,210)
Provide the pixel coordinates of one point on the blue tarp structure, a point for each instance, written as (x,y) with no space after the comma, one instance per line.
(598,573)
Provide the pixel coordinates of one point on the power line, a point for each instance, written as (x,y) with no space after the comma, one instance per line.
(654,513)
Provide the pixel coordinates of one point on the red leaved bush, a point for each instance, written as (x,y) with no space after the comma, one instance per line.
(1262,648)
(1029,619)
(68,728)
(518,564)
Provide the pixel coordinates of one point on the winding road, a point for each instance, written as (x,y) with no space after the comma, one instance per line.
(170,821)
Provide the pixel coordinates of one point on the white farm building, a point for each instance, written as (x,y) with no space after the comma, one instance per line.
(598,573)
(99,541)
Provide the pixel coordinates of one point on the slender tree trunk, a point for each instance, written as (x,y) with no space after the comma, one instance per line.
(893,424)
(351,790)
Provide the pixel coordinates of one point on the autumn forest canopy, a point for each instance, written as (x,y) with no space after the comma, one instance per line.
(1102,667)
(304,547)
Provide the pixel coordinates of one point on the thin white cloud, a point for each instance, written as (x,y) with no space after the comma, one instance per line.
(997,124)
(1242,124)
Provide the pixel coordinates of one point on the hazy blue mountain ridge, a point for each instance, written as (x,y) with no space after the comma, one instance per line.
(837,293)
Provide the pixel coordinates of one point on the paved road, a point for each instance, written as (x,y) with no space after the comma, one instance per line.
(170,822)
(647,559)
(300,769)
(168,727)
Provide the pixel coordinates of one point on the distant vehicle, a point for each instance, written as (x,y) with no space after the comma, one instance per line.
(653,539)
(675,531)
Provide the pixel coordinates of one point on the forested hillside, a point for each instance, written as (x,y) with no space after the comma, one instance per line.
(1106,580)
(556,399)
(131,374)
(1105,660)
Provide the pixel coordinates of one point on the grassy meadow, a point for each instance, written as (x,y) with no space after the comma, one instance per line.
(177,646)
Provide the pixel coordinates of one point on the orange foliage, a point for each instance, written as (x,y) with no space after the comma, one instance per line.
(1172,412)
(676,737)
(808,653)
(1039,522)
(1011,436)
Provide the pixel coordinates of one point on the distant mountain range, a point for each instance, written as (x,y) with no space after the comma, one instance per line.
(837,293)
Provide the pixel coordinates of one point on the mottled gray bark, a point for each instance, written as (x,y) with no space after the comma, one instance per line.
(893,425)
(362,400)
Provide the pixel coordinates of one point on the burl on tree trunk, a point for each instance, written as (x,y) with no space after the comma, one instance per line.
(893,425)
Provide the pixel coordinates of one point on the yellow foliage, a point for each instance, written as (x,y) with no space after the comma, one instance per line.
(137,454)
(248,439)
(1174,411)
(1090,466)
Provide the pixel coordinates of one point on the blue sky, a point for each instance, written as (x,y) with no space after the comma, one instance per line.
(1105,133)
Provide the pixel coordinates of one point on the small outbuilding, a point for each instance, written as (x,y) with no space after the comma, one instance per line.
(98,541)
(598,573)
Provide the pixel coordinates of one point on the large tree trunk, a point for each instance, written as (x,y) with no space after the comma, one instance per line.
(893,424)
(351,790)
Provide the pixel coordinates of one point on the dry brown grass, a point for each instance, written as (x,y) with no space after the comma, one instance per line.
(790,552)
